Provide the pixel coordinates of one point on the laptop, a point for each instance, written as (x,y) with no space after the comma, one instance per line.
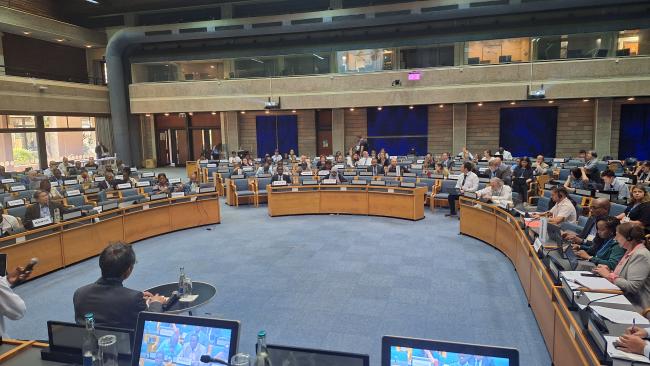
(294,356)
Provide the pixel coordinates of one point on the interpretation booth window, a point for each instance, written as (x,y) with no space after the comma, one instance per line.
(18,149)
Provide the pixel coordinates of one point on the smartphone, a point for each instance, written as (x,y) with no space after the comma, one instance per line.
(30,266)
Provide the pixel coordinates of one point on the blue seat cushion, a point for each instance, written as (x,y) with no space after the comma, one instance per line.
(245,193)
(441,195)
(262,192)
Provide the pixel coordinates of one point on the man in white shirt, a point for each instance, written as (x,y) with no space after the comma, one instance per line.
(563,209)
(496,191)
(11,305)
(635,340)
(611,184)
(365,159)
(467,182)
(276,157)
(505,154)
(234,158)
(63,167)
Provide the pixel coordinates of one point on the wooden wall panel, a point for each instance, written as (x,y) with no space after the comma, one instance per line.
(482,127)
(440,129)
(575,127)
(247,132)
(307,132)
(356,123)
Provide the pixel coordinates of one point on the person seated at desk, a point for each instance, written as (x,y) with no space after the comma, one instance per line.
(632,274)
(599,209)
(446,162)
(3,173)
(382,158)
(574,181)
(112,304)
(498,170)
(101,151)
(334,174)
(612,184)
(41,209)
(468,182)
(264,169)
(562,211)
(352,159)
(439,170)
(603,249)
(192,186)
(541,168)
(84,177)
(53,193)
(50,169)
(321,162)
(108,181)
(75,169)
(634,340)
(638,210)
(465,154)
(375,167)
(11,305)
(63,167)
(237,169)
(280,175)
(507,155)
(486,156)
(57,176)
(521,178)
(642,172)
(429,162)
(126,178)
(91,163)
(365,159)
(394,168)
(162,184)
(10,225)
(276,156)
(495,191)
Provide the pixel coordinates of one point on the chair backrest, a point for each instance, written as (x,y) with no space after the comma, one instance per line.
(409,179)
(76,201)
(28,194)
(129,192)
(448,186)
(582,220)
(241,184)
(543,204)
(263,182)
(147,190)
(429,182)
(547,193)
(17,211)
(616,209)
(564,174)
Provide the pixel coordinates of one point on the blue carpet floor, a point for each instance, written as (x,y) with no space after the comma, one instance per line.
(332,282)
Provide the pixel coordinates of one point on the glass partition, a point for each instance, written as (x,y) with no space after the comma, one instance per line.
(369,60)
(497,51)
(421,57)
(18,150)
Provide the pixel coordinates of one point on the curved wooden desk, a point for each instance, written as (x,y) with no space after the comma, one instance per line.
(397,202)
(565,340)
(63,244)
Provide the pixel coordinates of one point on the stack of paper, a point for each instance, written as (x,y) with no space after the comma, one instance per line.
(618,354)
(621,316)
(597,297)
(596,283)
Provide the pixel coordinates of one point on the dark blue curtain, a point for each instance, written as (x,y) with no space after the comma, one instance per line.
(288,133)
(276,132)
(528,131)
(635,132)
(398,129)
(266,135)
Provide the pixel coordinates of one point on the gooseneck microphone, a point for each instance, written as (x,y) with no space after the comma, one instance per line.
(208,359)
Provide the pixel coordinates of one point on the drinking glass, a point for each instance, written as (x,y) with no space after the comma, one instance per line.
(108,350)
(240,359)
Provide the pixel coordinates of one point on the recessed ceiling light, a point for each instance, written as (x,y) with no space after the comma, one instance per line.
(166,114)
(267,112)
(441,106)
(551,101)
(630,98)
(293,111)
(213,113)
(351,109)
(89,46)
(27,33)
(243,112)
(480,104)
(513,103)
(147,115)
(60,39)
(585,100)
(379,108)
(212,66)
(93,1)
(411,107)
(191,113)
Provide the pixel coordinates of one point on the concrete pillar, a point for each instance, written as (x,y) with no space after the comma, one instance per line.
(229,132)
(338,130)
(603,126)
(2,56)
(459,128)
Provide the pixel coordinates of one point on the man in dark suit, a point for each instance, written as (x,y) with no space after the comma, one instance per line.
(397,169)
(375,168)
(497,170)
(446,161)
(41,209)
(599,209)
(112,304)
(279,175)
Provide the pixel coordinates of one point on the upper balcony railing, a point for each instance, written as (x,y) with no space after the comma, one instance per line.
(31,73)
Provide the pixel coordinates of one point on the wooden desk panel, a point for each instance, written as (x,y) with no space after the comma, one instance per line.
(201,212)
(80,243)
(293,203)
(395,205)
(506,238)
(478,223)
(541,302)
(46,248)
(344,202)
(146,223)
(523,265)
(566,351)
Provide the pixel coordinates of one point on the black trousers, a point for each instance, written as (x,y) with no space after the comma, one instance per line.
(520,186)
(452,198)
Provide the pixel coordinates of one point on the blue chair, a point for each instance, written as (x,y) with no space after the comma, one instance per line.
(616,209)
(26,195)
(130,194)
(564,174)
(569,226)
(241,188)
(79,202)
(260,188)
(447,187)
(102,198)
(18,211)
(409,179)
(543,204)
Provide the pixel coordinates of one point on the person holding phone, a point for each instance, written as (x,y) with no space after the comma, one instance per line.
(11,305)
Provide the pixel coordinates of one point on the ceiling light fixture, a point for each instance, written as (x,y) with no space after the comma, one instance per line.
(480,104)
(551,101)
(27,33)
(411,107)
(267,112)
(441,106)
(243,112)
(60,39)
(513,103)
(293,111)
(89,46)
(166,114)
(379,108)
(147,115)
(630,99)
(585,100)
(214,113)
(257,60)
(351,109)
(92,1)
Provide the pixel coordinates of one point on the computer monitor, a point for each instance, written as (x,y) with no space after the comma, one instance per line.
(401,351)
(294,356)
(182,340)
(67,338)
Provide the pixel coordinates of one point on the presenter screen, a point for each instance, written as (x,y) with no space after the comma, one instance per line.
(404,356)
(173,344)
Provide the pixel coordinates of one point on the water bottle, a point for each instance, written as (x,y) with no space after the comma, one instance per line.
(89,346)
(181,283)
(188,286)
(262,358)
(57,215)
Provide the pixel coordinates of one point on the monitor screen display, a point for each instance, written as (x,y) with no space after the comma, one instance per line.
(404,356)
(182,344)
(292,356)
(68,337)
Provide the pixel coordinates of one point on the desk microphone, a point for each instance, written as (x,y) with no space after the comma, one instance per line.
(208,359)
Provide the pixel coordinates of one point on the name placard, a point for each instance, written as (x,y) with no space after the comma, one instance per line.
(329,181)
(71,215)
(558,160)
(99,179)
(416,166)
(205,161)
(309,182)
(323,173)
(54,184)
(339,166)
(42,221)
(223,170)
(15,203)
(420,161)
(8,180)
(407,185)
(211,165)
(91,190)
(134,169)
(391,190)
(223,161)
(583,192)
(178,194)
(437,176)
(158,196)
(359,182)
(349,174)
(69,182)
(238,176)
(331,158)
(119,177)
(124,186)
(377,182)
(537,244)
(17,188)
(143,183)
(391,174)
(366,174)
(454,176)
(207,189)
(247,169)
(265,175)
(408,175)
(602,195)
(279,183)
(174,180)
(306,173)
(147,174)
(98,209)
(72,193)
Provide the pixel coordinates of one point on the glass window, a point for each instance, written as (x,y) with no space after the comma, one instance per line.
(201,70)
(365,60)
(256,67)
(306,64)
(68,122)
(633,42)
(589,45)
(14,121)
(420,57)
(72,144)
(18,151)
(497,51)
